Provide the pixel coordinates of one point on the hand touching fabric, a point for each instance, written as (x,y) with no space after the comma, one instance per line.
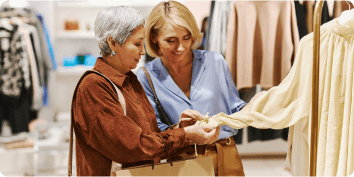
(202,134)
(189,117)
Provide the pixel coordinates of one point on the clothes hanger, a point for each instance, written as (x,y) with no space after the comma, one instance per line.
(348,4)
(347,14)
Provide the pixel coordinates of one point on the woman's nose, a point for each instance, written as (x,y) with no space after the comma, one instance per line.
(142,51)
(180,47)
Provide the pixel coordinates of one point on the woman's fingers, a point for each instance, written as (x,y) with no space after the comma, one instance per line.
(184,122)
(214,135)
(185,119)
(192,114)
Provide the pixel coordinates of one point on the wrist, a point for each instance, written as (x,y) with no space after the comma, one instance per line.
(187,133)
(174,126)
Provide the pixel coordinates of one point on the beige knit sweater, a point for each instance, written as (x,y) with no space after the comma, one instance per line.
(289,104)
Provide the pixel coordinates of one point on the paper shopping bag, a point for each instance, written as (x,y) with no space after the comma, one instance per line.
(199,166)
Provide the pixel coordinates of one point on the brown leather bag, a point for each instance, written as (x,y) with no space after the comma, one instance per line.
(227,161)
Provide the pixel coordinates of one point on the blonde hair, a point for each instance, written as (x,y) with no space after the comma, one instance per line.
(176,14)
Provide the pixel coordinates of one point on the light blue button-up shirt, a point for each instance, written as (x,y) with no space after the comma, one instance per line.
(212,89)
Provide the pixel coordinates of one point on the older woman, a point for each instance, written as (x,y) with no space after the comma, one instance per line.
(185,78)
(103,132)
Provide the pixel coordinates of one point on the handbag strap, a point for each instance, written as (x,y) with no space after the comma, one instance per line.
(120,98)
(164,116)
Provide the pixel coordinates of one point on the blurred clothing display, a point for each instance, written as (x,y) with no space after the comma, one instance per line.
(289,104)
(218,31)
(300,9)
(24,67)
(212,5)
(262,38)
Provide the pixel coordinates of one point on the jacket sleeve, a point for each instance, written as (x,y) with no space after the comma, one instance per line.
(116,136)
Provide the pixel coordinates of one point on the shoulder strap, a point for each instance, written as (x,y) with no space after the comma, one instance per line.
(150,82)
(120,98)
(163,116)
(120,95)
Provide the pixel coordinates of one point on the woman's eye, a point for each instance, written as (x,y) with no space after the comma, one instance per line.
(187,38)
(138,45)
(171,40)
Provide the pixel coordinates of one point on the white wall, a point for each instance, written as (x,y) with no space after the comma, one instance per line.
(199,9)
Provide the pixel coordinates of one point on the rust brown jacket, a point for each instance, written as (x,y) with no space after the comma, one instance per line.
(103,133)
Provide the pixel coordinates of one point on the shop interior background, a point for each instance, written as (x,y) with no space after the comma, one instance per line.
(69,24)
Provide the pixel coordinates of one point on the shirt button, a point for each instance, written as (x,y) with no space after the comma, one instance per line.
(137,101)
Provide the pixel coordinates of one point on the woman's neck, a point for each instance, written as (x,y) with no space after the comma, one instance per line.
(114,64)
(178,66)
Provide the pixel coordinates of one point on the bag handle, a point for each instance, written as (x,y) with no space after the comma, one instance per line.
(164,117)
(121,100)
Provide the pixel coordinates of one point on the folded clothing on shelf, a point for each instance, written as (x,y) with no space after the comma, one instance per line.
(87,60)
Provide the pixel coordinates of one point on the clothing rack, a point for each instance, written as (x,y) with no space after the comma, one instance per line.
(309,9)
(315,86)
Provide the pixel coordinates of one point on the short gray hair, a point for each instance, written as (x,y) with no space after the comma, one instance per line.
(118,22)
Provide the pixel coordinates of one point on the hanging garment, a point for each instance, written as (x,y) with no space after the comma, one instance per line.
(327,13)
(254,134)
(340,6)
(37,98)
(207,35)
(261,39)
(301,18)
(48,42)
(217,39)
(47,59)
(289,104)
(35,43)
(14,70)
(16,111)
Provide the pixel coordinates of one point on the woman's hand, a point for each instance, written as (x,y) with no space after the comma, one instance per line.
(189,117)
(202,134)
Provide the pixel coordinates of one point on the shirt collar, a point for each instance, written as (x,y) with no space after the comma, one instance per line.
(116,77)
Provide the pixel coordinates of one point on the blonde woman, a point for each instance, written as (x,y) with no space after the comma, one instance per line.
(186,78)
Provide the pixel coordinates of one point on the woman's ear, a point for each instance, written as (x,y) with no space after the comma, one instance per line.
(154,38)
(111,43)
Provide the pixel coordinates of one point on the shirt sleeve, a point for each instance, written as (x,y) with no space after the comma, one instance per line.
(235,102)
(115,135)
(144,82)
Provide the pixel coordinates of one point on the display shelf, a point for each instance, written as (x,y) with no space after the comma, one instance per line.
(75,35)
(73,70)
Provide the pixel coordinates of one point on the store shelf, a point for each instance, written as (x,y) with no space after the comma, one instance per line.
(74,70)
(75,35)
